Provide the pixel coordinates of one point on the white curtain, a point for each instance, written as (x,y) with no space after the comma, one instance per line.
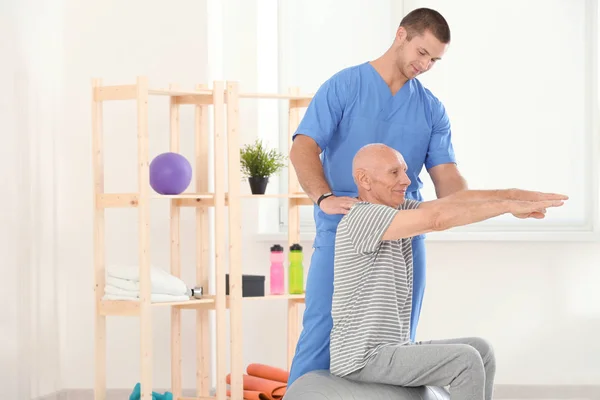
(32,314)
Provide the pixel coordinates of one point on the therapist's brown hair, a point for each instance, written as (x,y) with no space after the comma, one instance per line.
(424,19)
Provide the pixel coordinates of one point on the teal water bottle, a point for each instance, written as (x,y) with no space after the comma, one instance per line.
(296,282)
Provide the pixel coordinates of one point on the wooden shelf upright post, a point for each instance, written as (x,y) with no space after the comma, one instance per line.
(99,244)
(235,241)
(201,115)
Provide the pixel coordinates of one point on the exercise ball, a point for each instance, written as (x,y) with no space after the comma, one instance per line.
(321,385)
(170,173)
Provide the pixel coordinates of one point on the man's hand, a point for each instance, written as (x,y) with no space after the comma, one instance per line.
(535,197)
(528,195)
(532,209)
(337,205)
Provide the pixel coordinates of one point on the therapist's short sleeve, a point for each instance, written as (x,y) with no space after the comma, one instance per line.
(440,149)
(325,110)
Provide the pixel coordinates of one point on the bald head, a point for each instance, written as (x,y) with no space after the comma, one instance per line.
(373,157)
(379,172)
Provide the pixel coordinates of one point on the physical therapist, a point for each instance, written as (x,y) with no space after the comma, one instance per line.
(375,102)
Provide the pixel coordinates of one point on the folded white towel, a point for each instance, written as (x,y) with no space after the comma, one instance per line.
(128,278)
(111,289)
(115,293)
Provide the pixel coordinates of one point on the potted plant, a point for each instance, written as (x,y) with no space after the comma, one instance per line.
(258,163)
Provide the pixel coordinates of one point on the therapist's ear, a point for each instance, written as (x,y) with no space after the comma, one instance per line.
(401,34)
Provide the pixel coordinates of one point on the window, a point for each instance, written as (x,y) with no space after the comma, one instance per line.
(523,102)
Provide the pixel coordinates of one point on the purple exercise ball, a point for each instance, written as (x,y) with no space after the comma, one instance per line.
(170,173)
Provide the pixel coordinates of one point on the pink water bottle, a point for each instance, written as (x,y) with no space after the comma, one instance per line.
(277,270)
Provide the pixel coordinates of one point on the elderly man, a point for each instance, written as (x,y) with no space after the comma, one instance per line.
(373,277)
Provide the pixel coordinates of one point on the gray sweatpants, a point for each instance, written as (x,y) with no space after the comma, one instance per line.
(466,365)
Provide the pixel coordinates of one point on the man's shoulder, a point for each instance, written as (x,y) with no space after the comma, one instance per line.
(364,209)
(364,206)
(410,204)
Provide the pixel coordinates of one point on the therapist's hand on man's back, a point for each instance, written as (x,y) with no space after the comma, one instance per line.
(337,205)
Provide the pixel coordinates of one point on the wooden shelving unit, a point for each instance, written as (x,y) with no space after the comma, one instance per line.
(223,102)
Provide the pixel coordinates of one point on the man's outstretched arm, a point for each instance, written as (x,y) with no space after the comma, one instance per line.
(498,194)
(440,215)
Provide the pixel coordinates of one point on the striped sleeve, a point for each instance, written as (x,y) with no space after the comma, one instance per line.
(366,223)
(410,204)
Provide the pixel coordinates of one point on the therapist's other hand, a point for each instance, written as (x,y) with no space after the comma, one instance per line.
(337,205)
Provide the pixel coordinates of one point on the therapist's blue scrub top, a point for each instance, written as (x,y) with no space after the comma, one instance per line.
(355,107)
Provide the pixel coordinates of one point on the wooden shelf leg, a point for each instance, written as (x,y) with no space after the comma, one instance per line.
(99,246)
(219,232)
(175,257)
(235,242)
(202,248)
(144,240)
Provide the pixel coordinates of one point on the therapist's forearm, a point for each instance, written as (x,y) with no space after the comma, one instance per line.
(309,169)
(450,186)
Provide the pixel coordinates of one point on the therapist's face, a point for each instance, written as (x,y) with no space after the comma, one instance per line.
(389,179)
(418,55)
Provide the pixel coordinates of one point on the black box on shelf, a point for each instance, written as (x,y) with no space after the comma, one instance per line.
(252,285)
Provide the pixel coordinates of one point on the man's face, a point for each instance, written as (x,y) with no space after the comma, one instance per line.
(418,55)
(389,181)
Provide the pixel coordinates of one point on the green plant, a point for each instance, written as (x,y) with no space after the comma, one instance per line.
(258,161)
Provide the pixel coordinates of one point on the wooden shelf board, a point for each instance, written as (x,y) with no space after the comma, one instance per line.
(281,96)
(132,307)
(275,195)
(170,92)
(269,297)
(276,297)
(124,200)
(188,303)
(184,196)
(249,195)
(202,96)
(242,95)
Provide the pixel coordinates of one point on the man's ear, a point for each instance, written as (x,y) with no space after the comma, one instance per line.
(363,179)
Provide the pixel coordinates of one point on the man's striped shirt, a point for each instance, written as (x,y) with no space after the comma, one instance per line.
(373,282)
